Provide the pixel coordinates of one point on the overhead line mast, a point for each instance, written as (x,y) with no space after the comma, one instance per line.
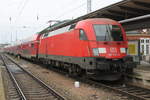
(89,6)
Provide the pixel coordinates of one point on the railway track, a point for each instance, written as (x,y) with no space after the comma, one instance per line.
(134,91)
(125,90)
(10,90)
(27,85)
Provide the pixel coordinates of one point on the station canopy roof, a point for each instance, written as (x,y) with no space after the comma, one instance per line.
(122,11)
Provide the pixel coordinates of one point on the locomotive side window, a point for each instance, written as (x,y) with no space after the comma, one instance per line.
(108,33)
(59,31)
(82,35)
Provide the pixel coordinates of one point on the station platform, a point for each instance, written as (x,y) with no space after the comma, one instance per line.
(141,74)
(2,93)
(143,70)
(144,66)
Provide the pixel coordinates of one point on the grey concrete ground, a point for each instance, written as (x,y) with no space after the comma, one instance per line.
(145,63)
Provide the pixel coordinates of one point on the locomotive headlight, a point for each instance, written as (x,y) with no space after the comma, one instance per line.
(122,50)
(102,50)
(95,52)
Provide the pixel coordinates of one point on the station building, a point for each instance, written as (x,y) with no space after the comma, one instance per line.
(139,44)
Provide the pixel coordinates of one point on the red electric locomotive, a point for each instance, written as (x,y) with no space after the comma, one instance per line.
(96,47)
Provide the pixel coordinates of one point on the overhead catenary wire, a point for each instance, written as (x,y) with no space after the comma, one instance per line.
(21,9)
(71,10)
(24,4)
(65,13)
(61,15)
(68,11)
(71,2)
(20,4)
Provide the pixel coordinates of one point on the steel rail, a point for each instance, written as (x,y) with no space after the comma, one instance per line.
(19,90)
(89,81)
(136,97)
(123,92)
(52,91)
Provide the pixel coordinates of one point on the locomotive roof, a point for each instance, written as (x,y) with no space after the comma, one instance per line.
(102,20)
(125,9)
(54,26)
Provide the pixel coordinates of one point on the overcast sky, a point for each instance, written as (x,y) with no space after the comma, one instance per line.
(18,18)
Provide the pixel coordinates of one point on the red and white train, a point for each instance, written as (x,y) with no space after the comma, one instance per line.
(94,47)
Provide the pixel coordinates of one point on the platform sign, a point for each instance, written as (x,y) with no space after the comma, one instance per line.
(134,50)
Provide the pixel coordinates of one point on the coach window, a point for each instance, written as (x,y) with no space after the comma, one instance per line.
(32,45)
(82,35)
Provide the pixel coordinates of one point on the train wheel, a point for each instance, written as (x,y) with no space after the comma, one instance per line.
(130,70)
(70,70)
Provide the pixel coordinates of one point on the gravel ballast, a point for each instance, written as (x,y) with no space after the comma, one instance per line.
(65,85)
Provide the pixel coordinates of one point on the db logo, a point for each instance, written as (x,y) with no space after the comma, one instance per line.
(113,50)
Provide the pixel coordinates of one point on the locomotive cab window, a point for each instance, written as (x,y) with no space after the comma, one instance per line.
(82,35)
(108,32)
(116,33)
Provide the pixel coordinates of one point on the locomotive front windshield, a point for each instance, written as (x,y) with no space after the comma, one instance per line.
(108,32)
